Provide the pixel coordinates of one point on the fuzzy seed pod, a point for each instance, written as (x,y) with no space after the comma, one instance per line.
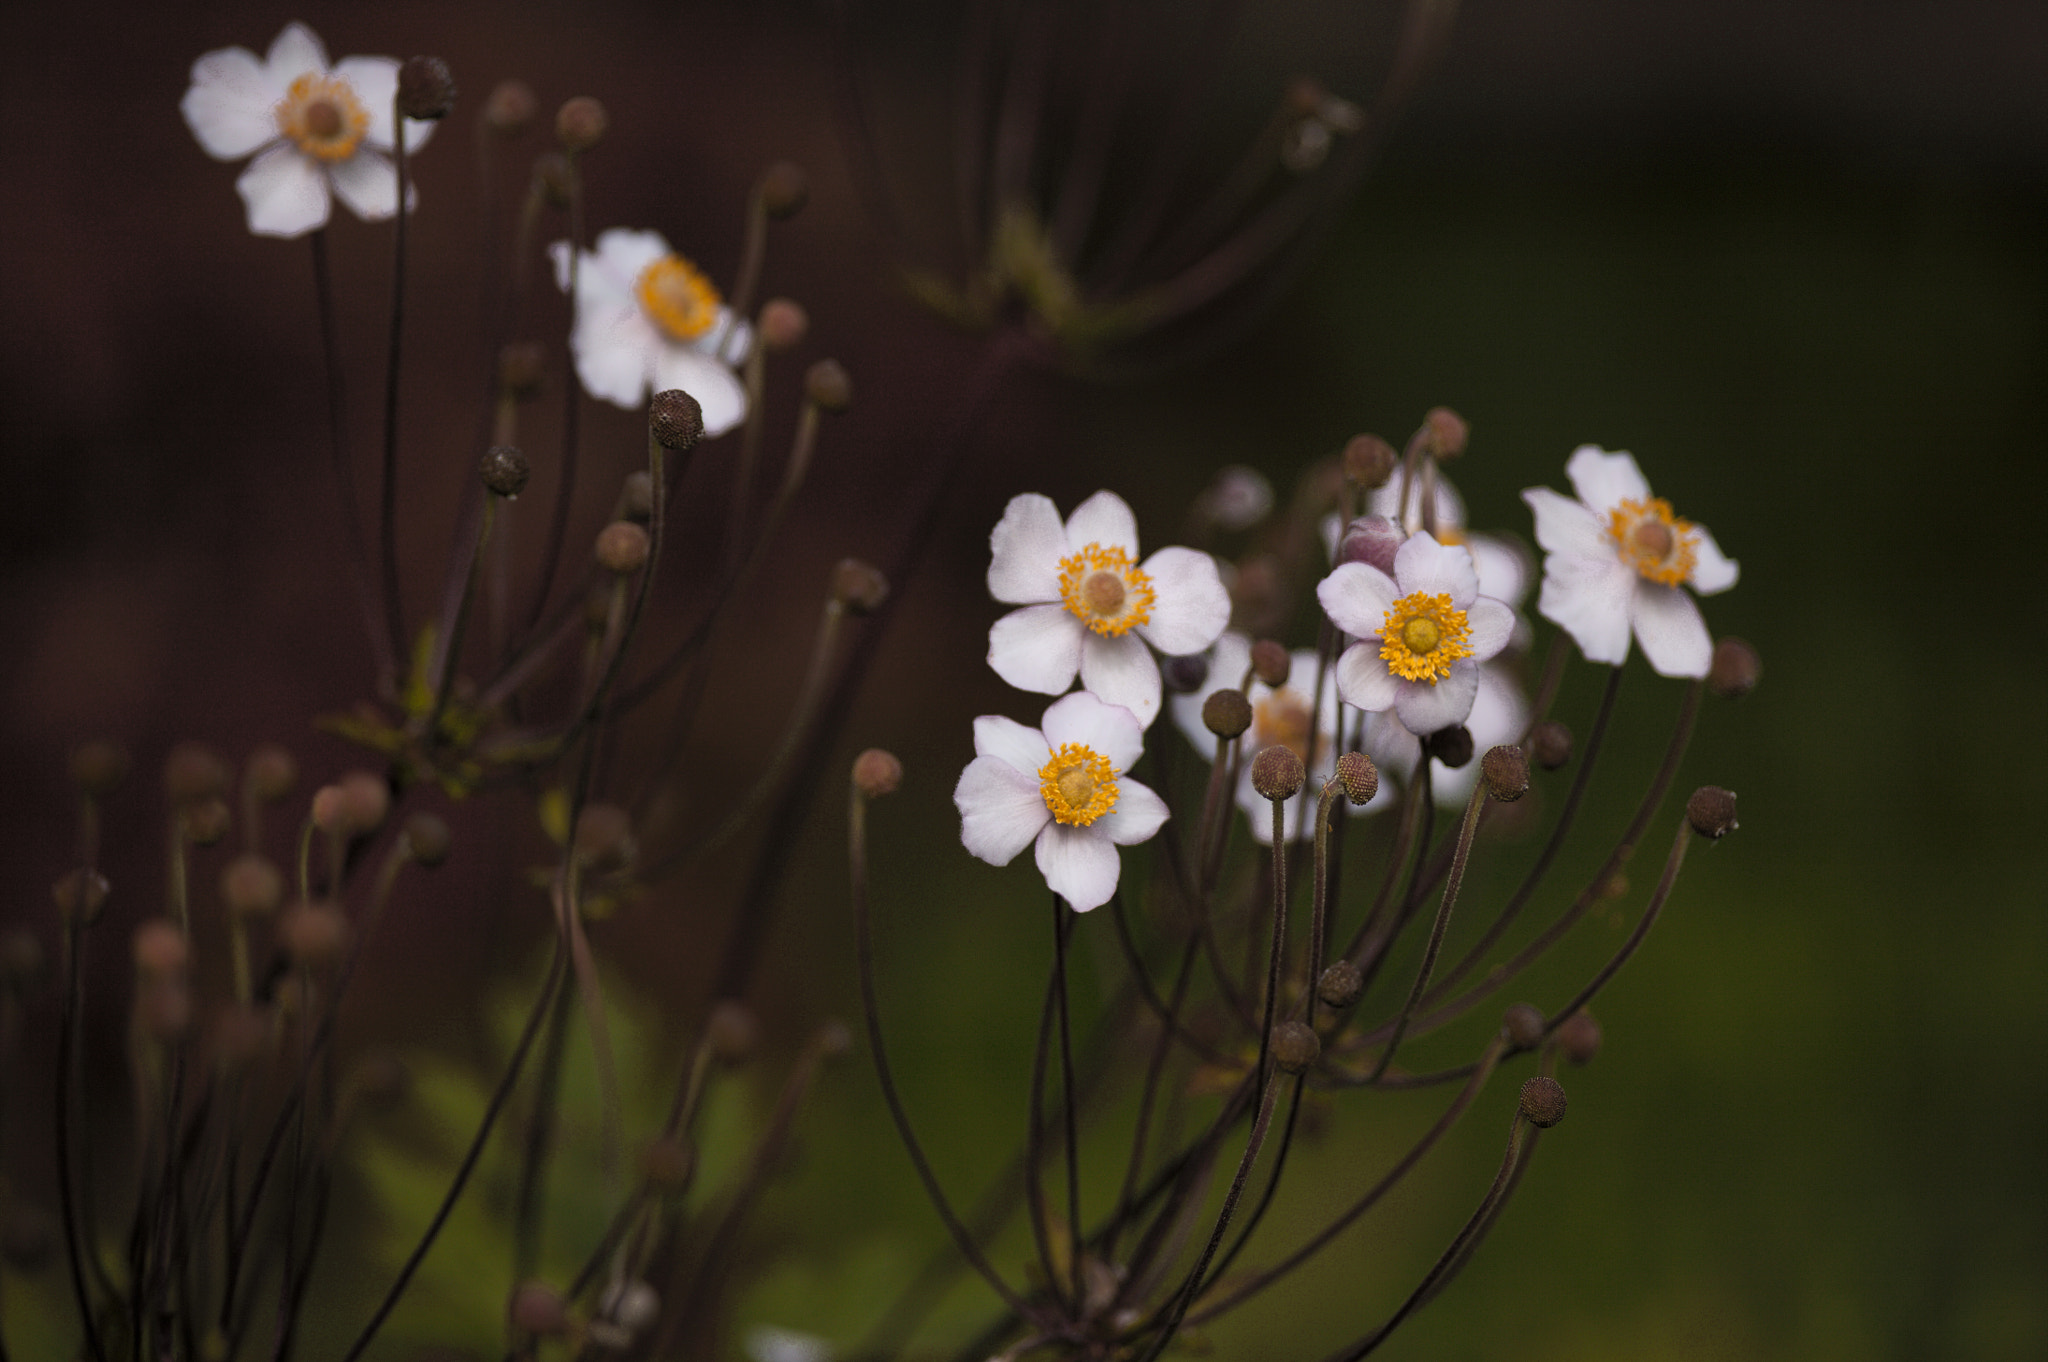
(877,773)
(1277,773)
(676,419)
(426,88)
(1340,985)
(505,471)
(622,547)
(1226,713)
(1444,434)
(1360,777)
(1295,1047)
(1735,669)
(1523,1026)
(1578,1038)
(1369,461)
(1271,663)
(782,325)
(252,885)
(1543,1102)
(1452,746)
(1711,811)
(1505,772)
(580,124)
(510,109)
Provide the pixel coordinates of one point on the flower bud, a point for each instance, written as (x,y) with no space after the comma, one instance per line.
(1578,1038)
(1523,1026)
(622,547)
(1711,811)
(1452,746)
(1735,669)
(1277,773)
(1184,674)
(1372,540)
(1505,772)
(1226,713)
(98,767)
(160,950)
(876,773)
(365,800)
(505,471)
(207,822)
(193,771)
(1238,499)
(271,773)
(510,109)
(1360,777)
(80,895)
(427,839)
(252,885)
(522,365)
(784,190)
(1369,461)
(604,838)
(1443,434)
(1550,742)
(312,934)
(782,325)
(859,587)
(676,419)
(426,88)
(828,387)
(1543,1102)
(580,123)
(1340,985)
(1271,663)
(537,1308)
(1295,1047)
(732,1031)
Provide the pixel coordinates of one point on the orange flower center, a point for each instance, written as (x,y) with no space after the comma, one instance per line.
(1659,545)
(679,299)
(1423,634)
(1077,784)
(1109,594)
(321,116)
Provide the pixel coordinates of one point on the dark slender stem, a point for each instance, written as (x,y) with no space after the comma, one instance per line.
(1070,1098)
(572,415)
(387,506)
(1034,1147)
(1169,1024)
(540,1133)
(69,1034)
(1437,929)
(1628,948)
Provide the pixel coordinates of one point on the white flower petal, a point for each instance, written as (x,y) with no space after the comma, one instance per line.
(1190,605)
(295,51)
(1079,864)
(1363,679)
(1025,549)
(1669,627)
(368,183)
(1356,597)
(1566,526)
(1602,480)
(1422,564)
(614,353)
(1393,749)
(1227,663)
(1503,566)
(1712,571)
(1386,500)
(1109,729)
(1425,708)
(1104,519)
(231,106)
(1138,814)
(1001,809)
(1023,747)
(1492,625)
(1121,671)
(623,254)
(1590,600)
(1037,648)
(716,388)
(374,81)
(285,192)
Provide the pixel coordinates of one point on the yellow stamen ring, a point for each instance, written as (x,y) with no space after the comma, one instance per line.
(679,299)
(1077,784)
(1422,636)
(321,115)
(1661,546)
(1108,593)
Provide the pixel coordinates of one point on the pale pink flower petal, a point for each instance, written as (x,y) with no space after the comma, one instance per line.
(293,53)
(231,104)
(1363,679)
(1079,864)
(375,81)
(1025,550)
(1590,599)
(1712,571)
(1191,607)
(1357,597)
(1424,708)
(612,348)
(368,184)
(1121,671)
(1227,663)
(1037,648)
(286,195)
(1567,526)
(1104,519)
(1138,814)
(1422,564)
(1669,627)
(1602,480)
(621,353)
(1492,624)
(1108,728)
(1001,810)
(1023,747)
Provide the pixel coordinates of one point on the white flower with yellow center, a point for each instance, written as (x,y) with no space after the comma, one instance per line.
(1421,632)
(647,320)
(1281,717)
(1616,561)
(1499,715)
(317,130)
(1090,607)
(1061,788)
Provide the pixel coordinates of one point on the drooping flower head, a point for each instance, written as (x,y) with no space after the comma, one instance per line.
(649,320)
(1616,560)
(1062,789)
(1283,716)
(316,129)
(1421,632)
(1090,607)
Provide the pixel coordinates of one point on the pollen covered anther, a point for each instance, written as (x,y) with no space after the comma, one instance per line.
(1106,590)
(1661,546)
(321,115)
(1423,635)
(1078,785)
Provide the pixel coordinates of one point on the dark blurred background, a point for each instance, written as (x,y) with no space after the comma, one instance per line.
(1791,255)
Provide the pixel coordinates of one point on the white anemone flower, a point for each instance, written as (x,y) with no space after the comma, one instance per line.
(1281,717)
(1500,713)
(317,130)
(1090,606)
(647,320)
(1616,558)
(1062,789)
(1422,633)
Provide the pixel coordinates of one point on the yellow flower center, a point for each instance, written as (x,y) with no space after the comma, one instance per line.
(1422,635)
(322,116)
(1282,719)
(1661,546)
(1109,594)
(1078,785)
(678,297)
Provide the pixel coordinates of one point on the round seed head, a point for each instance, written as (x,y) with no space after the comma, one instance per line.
(426,88)
(580,124)
(1277,773)
(272,772)
(1578,1038)
(252,885)
(312,934)
(622,547)
(1735,669)
(877,772)
(1443,434)
(1550,742)
(1711,810)
(1295,1047)
(522,367)
(859,587)
(668,1164)
(676,419)
(1369,461)
(1543,1102)
(365,800)
(636,497)
(1361,778)
(510,109)
(1185,674)
(733,1031)
(1271,663)
(505,471)
(160,949)
(1452,746)
(1226,713)
(1340,985)
(828,386)
(1506,773)
(207,822)
(1523,1026)
(782,325)
(537,1308)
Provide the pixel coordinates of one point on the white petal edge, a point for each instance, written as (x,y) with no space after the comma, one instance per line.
(1190,605)
(368,183)
(231,105)
(1018,744)
(1363,679)
(1673,635)
(1590,600)
(1108,729)
(1492,625)
(614,352)
(1079,864)
(1104,519)
(1423,708)
(1025,549)
(1422,564)
(1603,480)
(1712,571)
(1356,597)
(286,194)
(1567,526)
(1139,813)
(1037,648)
(716,388)
(1001,810)
(1227,662)
(1121,671)
(293,53)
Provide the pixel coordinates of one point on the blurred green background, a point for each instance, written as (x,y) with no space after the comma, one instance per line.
(1795,257)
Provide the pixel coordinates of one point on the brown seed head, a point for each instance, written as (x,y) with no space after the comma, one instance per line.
(1443,434)
(1277,773)
(1340,985)
(312,934)
(1523,1026)
(1543,1102)
(876,773)
(426,88)
(98,767)
(622,547)
(1361,778)
(859,587)
(1551,744)
(193,771)
(1271,663)
(1711,811)
(510,109)
(272,772)
(427,838)
(1295,1047)
(1578,1038)
(1226,713)
(580,124)
(828,386)
(784,190)
(79,896)
(1452,746)
(1505,770)
(676,419)
(1369,461)
(1185,674)
(1735,669)
(505,471)
(782,325)
(252,885)
(365,800)
(636,498)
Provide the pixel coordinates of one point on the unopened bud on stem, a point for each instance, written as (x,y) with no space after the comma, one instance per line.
(1277,773)
(1369,461)
(1735,669)
(1226,713)
(505,471)
(859,587)
(676,419)
(1271,663)
(877,772)
(1543,1102)
(827,385)
(426,88)
(1506,773)
(580,123)
(1711,811)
